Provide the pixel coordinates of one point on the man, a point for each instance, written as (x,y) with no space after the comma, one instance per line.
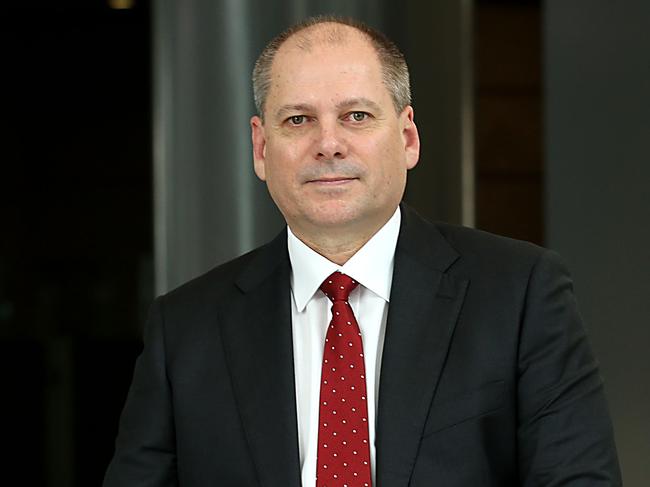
(363,346)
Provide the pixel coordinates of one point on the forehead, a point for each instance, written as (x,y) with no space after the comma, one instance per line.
(321,63)
(332,38)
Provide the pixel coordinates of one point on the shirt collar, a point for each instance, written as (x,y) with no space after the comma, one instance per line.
(371,266)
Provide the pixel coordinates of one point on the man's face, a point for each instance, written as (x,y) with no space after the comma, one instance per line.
(332,149)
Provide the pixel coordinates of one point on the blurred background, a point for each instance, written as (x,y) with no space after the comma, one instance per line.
(126,170)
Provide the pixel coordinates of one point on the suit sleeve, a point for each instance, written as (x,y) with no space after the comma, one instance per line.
(565,435)
(145,447)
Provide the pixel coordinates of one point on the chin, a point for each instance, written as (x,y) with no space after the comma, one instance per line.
(337,215)
(333,211)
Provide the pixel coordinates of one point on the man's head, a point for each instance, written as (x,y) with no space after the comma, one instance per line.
(333,140)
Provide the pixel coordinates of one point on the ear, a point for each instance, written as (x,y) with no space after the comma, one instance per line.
(259,147)
(410,136)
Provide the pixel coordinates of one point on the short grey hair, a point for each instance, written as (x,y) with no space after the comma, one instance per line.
(394,67)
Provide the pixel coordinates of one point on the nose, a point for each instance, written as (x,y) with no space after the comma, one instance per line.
(330,142)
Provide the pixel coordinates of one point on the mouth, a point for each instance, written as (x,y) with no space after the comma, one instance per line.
(332,180)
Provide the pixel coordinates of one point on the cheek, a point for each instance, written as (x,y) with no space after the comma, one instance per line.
(277,182)
(283,158)
(289,143)
(281,172)
(393,171)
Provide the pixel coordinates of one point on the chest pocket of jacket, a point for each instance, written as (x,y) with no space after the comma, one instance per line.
(465,407)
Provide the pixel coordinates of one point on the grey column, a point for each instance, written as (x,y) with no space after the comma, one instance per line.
(208,205)
(598,196)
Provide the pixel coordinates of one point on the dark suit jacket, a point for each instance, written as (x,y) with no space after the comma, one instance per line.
(487,378)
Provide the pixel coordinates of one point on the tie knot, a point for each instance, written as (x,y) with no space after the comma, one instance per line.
(338,286)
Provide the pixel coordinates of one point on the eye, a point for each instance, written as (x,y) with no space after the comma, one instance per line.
(358,116)
(297,119)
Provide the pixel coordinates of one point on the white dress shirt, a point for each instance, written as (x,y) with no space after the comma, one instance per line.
(372,268)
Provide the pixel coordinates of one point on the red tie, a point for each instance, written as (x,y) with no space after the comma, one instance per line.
(343,448)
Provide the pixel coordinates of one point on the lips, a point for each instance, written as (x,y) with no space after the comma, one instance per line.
(331,172)
(332,180)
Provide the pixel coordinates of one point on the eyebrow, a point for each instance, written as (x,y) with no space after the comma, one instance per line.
(286,109)
(348,103)
(360,101)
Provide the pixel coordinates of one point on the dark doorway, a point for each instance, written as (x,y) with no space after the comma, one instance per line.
(75,240)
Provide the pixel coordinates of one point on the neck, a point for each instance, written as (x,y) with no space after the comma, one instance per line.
(336,245)
(334,250)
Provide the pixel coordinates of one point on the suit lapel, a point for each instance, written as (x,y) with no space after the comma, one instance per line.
(424,306)
(256,330)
